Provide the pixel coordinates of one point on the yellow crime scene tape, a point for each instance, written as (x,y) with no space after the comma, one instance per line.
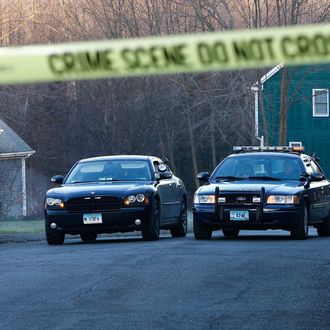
(237,49)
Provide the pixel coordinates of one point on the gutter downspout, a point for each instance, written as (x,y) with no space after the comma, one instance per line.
(255,90)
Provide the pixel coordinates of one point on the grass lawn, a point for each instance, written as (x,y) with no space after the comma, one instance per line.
(23,226)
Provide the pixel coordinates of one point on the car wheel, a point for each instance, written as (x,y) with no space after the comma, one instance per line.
(88,237)
(150,230)
(201,231)
(54,238)
(180,230)
(301,231)
(230,233)
(324,229)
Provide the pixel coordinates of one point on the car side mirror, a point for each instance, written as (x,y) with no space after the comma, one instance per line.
(57,179)
(316,177)
(203,176)
(165,175)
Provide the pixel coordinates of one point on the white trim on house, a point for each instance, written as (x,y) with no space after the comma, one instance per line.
(270,73)
(10,155)
(315,114)
(24,188)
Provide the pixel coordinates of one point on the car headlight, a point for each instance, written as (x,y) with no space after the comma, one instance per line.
(54,202)
(283,199)
(204,199)
(139,198)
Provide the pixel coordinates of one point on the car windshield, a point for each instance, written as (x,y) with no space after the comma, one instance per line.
(110,170)
(255,167)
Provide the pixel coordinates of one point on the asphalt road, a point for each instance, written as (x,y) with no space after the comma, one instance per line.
(262,280)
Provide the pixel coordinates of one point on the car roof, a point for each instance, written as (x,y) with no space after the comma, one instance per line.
(120,157)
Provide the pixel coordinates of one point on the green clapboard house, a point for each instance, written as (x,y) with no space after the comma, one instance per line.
(307,103)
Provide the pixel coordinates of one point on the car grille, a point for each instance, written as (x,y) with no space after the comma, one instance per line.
(239,198)
(240,201)
(95,203)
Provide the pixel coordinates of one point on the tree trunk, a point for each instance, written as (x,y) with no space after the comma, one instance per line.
(192,147)
(212,138)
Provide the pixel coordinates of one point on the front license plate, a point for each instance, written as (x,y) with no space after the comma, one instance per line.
(239,215)
(92,218)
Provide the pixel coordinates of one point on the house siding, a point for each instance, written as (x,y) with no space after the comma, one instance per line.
(313,132)
(11,199)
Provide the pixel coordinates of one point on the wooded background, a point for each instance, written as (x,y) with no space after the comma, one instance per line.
(192,119)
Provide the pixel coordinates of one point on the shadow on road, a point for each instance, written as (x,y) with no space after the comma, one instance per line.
(114,240)
(246,236)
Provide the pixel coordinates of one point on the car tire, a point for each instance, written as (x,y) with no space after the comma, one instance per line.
(300,232)
(54,238)
(88,237)
(151,229)
(324,229)
(201,231)
(230,232)
(180,230)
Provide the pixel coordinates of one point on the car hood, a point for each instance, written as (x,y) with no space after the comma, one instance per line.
(118,189)
(274,187)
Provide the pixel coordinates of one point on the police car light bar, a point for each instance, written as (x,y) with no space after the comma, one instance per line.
(269,148)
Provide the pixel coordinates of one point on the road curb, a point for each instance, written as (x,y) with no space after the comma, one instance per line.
(21,237)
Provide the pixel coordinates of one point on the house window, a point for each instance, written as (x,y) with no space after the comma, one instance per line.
(320,102)
(295,144)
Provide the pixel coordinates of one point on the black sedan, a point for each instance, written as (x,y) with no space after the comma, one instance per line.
(116,194)
(263,188)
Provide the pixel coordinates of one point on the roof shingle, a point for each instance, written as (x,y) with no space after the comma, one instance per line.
(10,142)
